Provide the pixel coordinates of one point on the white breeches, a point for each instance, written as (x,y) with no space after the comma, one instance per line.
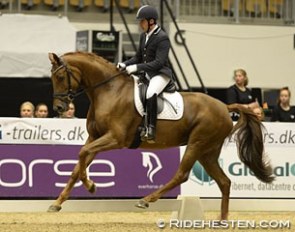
(156,85)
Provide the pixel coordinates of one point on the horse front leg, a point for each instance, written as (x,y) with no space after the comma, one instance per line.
(64,195)
(104,143)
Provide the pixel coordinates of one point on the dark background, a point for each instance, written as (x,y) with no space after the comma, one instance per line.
(14,91)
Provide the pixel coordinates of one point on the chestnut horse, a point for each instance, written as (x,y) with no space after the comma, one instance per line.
(112,122)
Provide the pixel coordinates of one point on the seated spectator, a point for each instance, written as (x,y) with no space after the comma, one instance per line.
(239,93)
(283,112)
(41,111)
(27,110)
(70,113)
(259,113)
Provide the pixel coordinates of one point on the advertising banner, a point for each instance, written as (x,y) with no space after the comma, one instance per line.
(279,146)
(43,171)
(43,131)
(37,157)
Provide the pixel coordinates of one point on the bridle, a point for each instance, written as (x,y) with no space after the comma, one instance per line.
(70,94)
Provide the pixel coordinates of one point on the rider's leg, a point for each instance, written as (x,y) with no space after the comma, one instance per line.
(156,86)
(151,109)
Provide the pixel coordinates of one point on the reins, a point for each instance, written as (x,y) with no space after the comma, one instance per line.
(98,84)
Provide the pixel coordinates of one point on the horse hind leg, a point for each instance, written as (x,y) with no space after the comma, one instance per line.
(181,176)
(213,169)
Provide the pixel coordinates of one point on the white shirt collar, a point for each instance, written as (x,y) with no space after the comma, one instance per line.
(148,35)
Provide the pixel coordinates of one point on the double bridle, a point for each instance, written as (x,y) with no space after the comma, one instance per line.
(70,94)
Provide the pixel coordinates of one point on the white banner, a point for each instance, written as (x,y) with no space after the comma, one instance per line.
(26,55)
(279,146)
(42,131)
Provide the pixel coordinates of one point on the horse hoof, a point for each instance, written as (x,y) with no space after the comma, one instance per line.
(54,209)
(92,188)
(142,204)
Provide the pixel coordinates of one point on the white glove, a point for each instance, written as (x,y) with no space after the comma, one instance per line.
(131,69)
(121,66)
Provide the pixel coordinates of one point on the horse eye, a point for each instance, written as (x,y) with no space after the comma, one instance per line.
(59,77)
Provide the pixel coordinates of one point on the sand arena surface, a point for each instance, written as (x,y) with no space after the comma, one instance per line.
(121,221)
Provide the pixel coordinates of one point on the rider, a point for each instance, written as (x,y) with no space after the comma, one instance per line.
(151,58)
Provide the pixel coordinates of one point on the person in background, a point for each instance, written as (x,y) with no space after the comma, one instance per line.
(259,113)
(70,113)
(41,111)
(283,111)
(239,93)
(27,110)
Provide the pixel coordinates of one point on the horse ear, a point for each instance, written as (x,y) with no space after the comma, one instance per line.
(54,59)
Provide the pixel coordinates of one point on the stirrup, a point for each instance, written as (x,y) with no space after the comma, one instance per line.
(151,135)
(143,134)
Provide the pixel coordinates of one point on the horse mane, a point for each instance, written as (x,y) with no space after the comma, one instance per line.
(90,55)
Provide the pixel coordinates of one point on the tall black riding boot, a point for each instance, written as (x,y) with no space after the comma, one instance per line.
(151,108)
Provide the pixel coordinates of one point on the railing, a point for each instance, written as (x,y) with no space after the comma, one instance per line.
(271,10)
(64,7)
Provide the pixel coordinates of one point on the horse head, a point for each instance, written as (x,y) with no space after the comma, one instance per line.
(65,80)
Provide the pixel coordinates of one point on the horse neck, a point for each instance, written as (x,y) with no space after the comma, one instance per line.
(97,73)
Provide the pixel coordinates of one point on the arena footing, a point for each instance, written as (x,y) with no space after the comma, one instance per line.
(161,205)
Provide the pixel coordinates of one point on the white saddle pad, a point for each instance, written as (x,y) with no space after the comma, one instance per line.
(169,112)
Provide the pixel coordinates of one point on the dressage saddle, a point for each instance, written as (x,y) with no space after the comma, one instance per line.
(143,85)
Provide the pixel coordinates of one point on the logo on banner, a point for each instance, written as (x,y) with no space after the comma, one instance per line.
(153,163)
(200,176)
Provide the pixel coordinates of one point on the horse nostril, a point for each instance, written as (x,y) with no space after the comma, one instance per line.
(58,108)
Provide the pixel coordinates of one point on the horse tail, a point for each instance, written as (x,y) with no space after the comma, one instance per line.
(249,138)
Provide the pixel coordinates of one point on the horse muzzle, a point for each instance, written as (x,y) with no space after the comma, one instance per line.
(60,107)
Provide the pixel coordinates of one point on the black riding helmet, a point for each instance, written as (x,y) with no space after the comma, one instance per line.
(147,12)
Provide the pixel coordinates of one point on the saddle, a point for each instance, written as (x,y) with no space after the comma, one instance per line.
(143,85)
(170,104)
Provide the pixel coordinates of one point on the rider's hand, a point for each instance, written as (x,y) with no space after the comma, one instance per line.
(131,69)
(121,66)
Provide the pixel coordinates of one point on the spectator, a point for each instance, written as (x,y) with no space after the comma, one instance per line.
(27,110)
(284,112)
(41,111)
(70,113)
(259,113)
(239,93)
